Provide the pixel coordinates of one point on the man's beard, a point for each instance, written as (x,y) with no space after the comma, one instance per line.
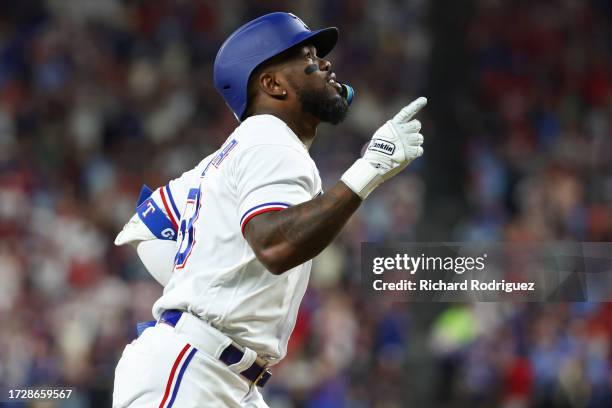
(323,106)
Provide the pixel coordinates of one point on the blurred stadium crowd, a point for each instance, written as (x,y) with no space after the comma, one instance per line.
(98,97)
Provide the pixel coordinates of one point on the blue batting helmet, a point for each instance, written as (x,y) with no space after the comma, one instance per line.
(258,41)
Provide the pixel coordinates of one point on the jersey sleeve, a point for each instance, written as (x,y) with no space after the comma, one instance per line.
(271,178)
(158,212)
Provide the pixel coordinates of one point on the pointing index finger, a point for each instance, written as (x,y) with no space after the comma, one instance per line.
(409,111)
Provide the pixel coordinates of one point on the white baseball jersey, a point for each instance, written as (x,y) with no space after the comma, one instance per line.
(262,166)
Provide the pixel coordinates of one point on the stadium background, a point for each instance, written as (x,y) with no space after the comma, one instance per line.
(97,97)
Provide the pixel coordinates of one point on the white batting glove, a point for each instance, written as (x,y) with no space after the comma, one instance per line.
(394,145)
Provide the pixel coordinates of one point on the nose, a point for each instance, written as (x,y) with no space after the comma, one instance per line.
(324,65)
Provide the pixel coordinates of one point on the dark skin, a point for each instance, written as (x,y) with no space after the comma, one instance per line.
(284,239)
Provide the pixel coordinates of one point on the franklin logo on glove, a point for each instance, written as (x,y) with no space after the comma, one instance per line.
(382,146)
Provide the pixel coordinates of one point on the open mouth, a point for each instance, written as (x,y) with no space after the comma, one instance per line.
(332,82)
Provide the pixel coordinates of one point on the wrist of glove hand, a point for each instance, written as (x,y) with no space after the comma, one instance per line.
(362,177)
(394,145)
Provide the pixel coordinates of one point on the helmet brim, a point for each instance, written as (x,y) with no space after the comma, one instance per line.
(324,40)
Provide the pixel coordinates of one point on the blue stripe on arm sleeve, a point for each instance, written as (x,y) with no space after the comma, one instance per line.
(155,220)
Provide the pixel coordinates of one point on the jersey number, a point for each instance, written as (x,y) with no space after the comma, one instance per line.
(186,231)
(186,235)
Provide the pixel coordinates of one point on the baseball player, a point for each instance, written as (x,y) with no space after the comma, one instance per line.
(232,239)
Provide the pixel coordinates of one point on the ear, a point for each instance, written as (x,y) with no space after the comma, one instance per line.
(272,84)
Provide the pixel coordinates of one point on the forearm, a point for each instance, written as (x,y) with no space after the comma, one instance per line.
(285,239)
